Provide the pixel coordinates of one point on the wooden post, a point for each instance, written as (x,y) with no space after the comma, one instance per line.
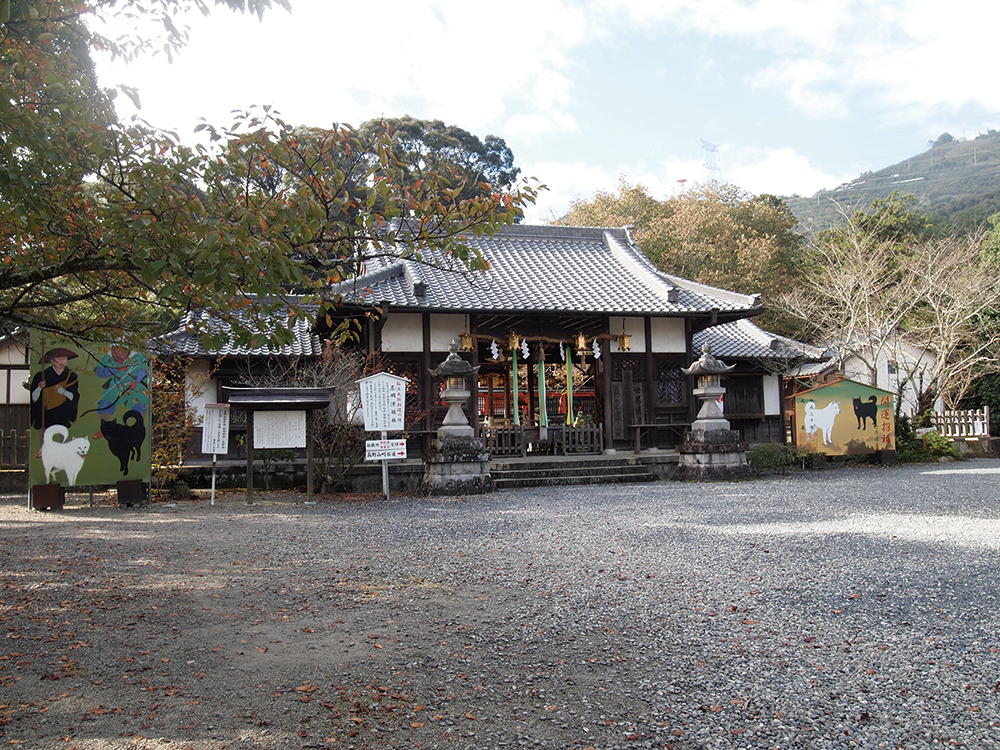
(309,455)
(249,443)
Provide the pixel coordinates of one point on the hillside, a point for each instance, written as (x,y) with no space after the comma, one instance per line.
(956,183)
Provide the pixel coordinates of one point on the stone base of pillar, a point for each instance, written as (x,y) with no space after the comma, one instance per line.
(456,466)
(712,455)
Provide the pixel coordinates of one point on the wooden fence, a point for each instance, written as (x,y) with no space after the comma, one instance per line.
(560,440)
(14,449)
(969,423)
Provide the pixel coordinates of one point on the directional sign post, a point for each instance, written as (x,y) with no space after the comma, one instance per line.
(383,400)
(382,450)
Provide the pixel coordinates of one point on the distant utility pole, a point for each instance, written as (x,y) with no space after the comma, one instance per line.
(710,152)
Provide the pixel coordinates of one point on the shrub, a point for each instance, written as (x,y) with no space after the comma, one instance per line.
(912,447)
(773,457)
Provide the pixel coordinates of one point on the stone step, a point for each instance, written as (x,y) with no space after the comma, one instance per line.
(531,472)
(571,480)
(507,464)
(542,473)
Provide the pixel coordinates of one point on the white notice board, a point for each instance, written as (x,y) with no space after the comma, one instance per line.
(383,398)
(215,429)
(279,429)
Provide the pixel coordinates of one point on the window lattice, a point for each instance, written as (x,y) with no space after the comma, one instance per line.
(670,384)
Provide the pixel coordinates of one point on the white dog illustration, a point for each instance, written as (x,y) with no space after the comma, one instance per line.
(64,455)
(821,419)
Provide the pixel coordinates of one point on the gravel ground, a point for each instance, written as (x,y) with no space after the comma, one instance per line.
(834,609)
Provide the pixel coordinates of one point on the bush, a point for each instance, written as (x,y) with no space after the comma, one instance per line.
(913,448)
(774,457)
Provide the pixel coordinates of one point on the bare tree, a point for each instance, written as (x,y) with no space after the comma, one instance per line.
(876,299)
(851,300)
(958,290)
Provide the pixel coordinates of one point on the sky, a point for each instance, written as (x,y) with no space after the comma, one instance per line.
(775,96)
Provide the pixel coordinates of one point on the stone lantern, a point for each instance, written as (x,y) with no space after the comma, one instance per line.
(457,462)
(709,370)
(711,450)
(455,372)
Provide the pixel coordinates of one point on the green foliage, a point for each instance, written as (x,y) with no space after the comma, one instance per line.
(174,415)
(913,447)
(778,458)
(715,234)
(955,183)
(110,229)
(985,391)
(431,146)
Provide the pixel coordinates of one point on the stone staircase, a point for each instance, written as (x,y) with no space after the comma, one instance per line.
(558,471)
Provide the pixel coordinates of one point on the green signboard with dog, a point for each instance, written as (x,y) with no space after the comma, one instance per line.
(845,417)
(90,408)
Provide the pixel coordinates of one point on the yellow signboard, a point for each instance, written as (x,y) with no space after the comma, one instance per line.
(845,417)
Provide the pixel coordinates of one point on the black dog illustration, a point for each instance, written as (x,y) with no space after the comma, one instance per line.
(864,411)
(125,440)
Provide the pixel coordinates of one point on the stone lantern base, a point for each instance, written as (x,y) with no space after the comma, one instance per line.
(456,465)
(712,454)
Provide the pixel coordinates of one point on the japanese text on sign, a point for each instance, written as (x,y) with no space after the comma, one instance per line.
(383,398)
(279,429)
(379,450)
(215,429)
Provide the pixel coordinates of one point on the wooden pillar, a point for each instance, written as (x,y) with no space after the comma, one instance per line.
(475,378)
(609,442)
(532,417)
(249,456)
(309,455)
(650,400)
(429,388)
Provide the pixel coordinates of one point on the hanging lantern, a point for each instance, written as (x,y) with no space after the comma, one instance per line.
(465,341)
(513,341)
(581,342)
(623,339)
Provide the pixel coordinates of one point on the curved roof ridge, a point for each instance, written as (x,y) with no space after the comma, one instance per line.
(629,256)
(353,284)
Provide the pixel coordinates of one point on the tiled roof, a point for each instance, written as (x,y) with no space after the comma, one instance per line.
(305,343)
(544,269)
(743,339)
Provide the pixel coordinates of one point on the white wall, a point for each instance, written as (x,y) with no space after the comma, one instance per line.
(403,332)
(636,329)
(908,359)
(667,335)
(444,330)
(772,395)
(11,391)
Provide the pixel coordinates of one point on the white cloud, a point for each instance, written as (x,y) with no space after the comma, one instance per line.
(779,172)
(806,85)
(461,62)
(911,54)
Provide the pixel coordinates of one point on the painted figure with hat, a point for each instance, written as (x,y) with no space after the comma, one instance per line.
(55,391)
